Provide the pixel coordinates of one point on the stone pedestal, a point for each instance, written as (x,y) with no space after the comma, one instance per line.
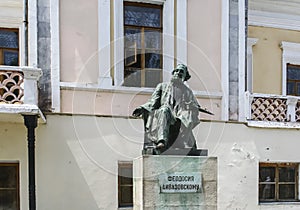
(175,182)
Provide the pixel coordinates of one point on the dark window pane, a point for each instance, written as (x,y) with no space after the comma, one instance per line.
(267,174)
(293,72)
(8,177)
(132,37)
(153,77)
(266,191)
(142,16)
(298,89)
(286,174)
(126,180)
(132,78)
(153,60)
(126,172)
(11,58)
(132,61)
(127,195)
(130,57)
(290,88)
(9,39)
(8,200)
(287,191)
(153,39)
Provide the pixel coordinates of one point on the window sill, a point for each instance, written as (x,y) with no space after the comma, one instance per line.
(128,90)
(268,124)
(125,208)
(279,203)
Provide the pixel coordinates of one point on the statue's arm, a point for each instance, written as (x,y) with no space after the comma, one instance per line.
(152,104)
(154,101)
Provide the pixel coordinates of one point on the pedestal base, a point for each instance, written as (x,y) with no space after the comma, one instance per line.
(175,182)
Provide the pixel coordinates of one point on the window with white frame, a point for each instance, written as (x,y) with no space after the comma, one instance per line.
(142,44)
(160,53)
(278,182)
(290,68)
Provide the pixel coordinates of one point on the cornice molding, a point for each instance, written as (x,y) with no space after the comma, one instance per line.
(274,20)
(11,3)
(11,21)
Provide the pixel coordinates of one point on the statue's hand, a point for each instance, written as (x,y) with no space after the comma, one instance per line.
(138,111)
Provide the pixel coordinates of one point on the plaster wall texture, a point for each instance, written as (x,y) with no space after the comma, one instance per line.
(119,103)
(267,57)
(77,159)
(204,44)
(79,41)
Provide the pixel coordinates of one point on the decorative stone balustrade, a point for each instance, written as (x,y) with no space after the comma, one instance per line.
(272,108)
(18,85)
(11,86)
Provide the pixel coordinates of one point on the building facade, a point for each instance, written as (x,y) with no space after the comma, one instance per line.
(79,68)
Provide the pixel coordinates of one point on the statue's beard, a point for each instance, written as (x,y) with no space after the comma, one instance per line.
(176,79)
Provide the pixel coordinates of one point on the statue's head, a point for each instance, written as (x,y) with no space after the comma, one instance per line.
(181,71)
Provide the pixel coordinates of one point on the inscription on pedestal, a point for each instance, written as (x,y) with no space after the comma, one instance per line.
(180,183)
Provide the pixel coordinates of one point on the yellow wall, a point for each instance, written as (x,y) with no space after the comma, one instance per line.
(267,56)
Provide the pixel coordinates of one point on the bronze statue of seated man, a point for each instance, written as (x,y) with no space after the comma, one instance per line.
(170,114)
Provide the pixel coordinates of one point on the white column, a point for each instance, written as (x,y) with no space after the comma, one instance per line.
(250,43)
(104,20)
(291,108)
(118,43)
(225,59)
(181,31)
(32,33)
(55,55)
(241,60)
(168,39)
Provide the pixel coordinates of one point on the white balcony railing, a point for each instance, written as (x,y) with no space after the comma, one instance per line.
(19,92)
(272,108)
(18,85)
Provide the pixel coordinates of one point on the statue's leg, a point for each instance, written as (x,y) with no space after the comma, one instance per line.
(174,134)
(187,138)
(165,119)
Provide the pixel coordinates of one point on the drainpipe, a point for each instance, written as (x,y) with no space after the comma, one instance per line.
(30,122)
(246,39)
